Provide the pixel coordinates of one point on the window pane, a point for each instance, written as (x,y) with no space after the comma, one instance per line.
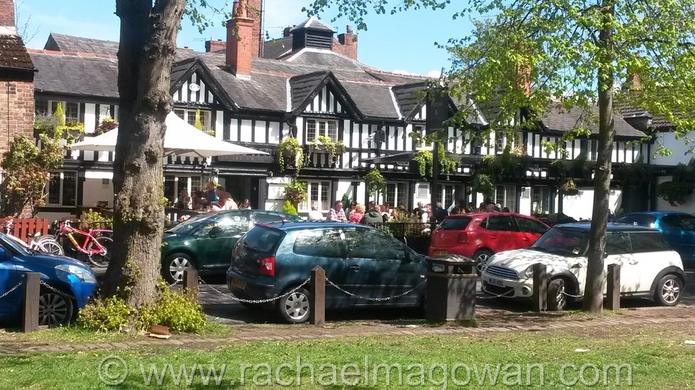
(318,243)
(530,226)
(54,106)
(648,242)
(402,195)
(688,222)
(503,223)
(169,190)
(69,188)
(41,107)
(182,185)
(310,130)
(638,219)
(372,244)
(454,224)
(332,131)
(671,221)
(180,114)
(617,243)
(54,188)
(196,184)
(72,112)
(325,199)
(391,194)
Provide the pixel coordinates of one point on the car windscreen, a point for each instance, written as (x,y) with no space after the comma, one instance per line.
(262,239)
(687,221)
(564,241)
(454,223)
(9,243)
(190,224)
(638,219)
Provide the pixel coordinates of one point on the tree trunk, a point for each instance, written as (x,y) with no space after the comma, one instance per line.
(596,278)
(145,57)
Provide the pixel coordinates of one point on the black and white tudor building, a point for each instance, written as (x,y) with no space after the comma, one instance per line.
(301,85)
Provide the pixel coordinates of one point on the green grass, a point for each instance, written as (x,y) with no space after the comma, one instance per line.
(657,355)
(77,335)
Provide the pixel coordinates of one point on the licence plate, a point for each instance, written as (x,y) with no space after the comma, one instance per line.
(495,282)
(437,253)
(240,284)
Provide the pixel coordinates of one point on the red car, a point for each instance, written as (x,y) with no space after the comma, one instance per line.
(480,235)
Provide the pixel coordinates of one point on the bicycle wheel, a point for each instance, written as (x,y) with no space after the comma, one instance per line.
(100,259)
(50,245)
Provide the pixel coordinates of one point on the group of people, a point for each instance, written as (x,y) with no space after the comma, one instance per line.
(214,198)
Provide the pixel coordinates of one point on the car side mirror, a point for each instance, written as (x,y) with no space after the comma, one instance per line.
(214,232)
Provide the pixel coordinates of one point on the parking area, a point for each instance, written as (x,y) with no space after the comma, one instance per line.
(216,301)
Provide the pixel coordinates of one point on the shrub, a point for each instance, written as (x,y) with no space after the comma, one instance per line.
(289,208)
(91,219)
(110,314)
(174,309)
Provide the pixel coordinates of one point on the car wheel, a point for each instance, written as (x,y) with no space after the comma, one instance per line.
(294,308)
(174,266)
(481,257)
(669,291)
(556,298)
(54,308)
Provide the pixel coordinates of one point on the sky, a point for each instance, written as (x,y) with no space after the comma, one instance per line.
(403,43)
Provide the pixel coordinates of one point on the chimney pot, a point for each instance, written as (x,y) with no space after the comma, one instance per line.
(348,29)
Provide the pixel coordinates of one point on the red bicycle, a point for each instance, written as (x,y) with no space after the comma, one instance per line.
(95,244)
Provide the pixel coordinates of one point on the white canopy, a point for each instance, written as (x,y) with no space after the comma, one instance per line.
(180,139)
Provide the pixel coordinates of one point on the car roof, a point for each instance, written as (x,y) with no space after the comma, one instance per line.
(309,225)
(611,227)
(482,214)
(657,213)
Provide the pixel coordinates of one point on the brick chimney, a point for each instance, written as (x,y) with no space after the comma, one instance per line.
(215,46)
(240,40)
(7,13)
(348,41)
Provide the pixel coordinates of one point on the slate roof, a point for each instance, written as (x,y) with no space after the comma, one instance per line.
(303,85)
(407,98)
(557,120)
(13,53)
(657,122)
(75,75)
(276,48)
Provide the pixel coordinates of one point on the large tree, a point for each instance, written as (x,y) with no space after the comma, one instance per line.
(574,53)
(145,57)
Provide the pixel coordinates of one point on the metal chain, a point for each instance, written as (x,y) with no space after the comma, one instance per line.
(12,289)
(55,290)
(258,301)
(375,299)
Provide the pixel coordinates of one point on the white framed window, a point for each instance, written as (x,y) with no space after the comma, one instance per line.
(505,196)
(502,139)
(173,185)
(423,144)
(62,188)
(189,116)
(319,192)
(396,194)
(317,127)
(71,110)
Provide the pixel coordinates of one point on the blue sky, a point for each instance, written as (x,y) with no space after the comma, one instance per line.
(404,42)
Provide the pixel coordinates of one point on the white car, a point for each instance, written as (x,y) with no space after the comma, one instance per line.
(648,266)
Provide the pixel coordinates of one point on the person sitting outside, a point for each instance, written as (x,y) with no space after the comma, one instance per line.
(246,205)
(373,216)
(210,195)
(337,213)
(440,213)
(197,200)
(184,201)
(315,215)
(357,214)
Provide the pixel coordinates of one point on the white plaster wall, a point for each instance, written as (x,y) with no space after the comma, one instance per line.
(55,216)
(679,150)
(581,206)
(276,192)
(95,190)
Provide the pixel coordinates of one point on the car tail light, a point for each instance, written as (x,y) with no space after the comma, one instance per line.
(268,266)
(463,237)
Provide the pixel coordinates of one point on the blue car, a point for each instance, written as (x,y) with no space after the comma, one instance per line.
(66,286)
(677,227)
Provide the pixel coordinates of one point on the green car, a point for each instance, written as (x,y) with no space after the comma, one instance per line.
(206,241)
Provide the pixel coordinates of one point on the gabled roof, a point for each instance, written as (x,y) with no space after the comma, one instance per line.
(13,53)
(406,96)
(72,44)
(558,120)
(314,23)
(304,87)
(183,70)
(630,114)
(76,75)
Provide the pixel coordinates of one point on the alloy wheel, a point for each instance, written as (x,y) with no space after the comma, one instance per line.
(297,305)
(54,309)
(177,266)
(670,291)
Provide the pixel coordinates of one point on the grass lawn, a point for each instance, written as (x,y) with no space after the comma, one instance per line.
(656,356)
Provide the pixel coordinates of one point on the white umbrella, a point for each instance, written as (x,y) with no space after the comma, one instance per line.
(180,139)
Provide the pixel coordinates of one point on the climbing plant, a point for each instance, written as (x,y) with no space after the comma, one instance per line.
(333,148)
(290,149)
(375,182)
(678,190)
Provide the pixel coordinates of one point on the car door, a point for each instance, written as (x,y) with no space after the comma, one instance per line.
(619,251)
(10,277)
(379,266)
(653,254)
(500,233)
(687,225)
(529,230)
(324,248)
(216,239)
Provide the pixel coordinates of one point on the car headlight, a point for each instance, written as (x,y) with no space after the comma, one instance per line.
(529,272)
(80,273)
